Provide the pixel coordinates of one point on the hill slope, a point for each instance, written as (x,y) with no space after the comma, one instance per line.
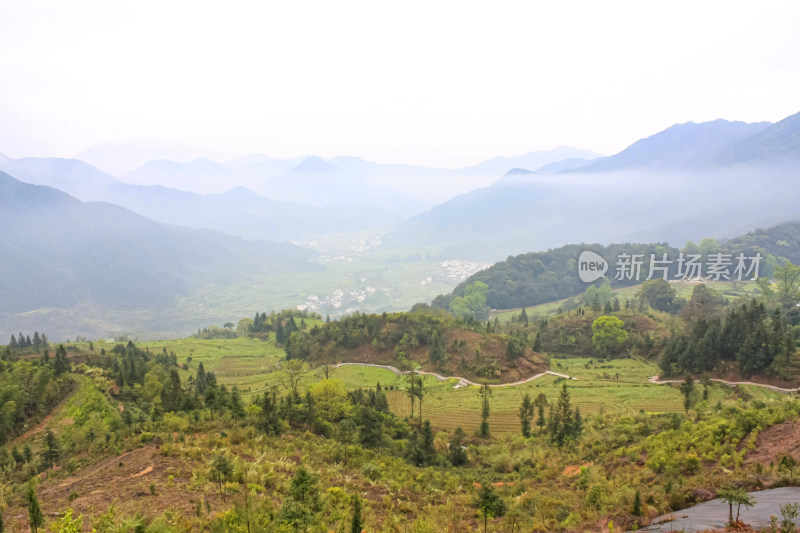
(62,253)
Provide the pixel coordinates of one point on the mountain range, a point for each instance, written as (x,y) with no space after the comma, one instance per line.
(60,253)
(717,177)
(113,251)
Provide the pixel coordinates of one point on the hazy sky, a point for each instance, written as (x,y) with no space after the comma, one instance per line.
(435,83)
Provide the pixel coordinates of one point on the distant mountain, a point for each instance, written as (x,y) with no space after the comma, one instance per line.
(681,146)
(318,182)
(119,158)
(778,144)
(69,175)
(780,240)
(199,175)
(498,166)
(668,187)
(60,253)
(242,212)
(571,163)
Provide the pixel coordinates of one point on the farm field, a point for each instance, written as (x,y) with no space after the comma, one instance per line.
(731,291)
(617,386)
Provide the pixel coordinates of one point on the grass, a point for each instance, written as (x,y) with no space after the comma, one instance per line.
(613,386)
(729,289)
(243,362)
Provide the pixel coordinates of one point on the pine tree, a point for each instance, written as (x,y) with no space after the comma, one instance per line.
(222,469)
(436,351)
(524,317)
(456,452)
(200,380)
(637,504)
(61,364)
(485,392)
(357,524)
(537,342)
(51,450)
(280,334)
(540,419)
(489,504)
(525,415)
(35,516)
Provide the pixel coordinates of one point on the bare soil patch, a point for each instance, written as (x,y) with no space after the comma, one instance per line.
(775,441)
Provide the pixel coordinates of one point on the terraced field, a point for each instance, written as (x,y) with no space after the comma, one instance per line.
(618,385)
(730,290)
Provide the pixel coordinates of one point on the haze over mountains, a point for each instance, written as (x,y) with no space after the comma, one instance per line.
(175,233)
(61,254)
(719,178)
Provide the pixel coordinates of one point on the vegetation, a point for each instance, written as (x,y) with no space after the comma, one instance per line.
(537,278)
(256,429)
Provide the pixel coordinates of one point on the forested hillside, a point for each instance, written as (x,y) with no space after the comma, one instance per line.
(540,277)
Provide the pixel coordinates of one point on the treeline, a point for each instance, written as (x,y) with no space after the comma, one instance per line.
(761,342)
(29,389)
(401,330)
(541,277)
(282,324)
(25,344)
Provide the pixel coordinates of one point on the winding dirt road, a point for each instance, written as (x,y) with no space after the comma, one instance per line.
(462,382)
(655,380)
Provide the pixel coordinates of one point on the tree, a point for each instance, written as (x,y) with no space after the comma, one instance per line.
(422,450)
(608,334)
(485,392)
(659,294)
(330,398)
(489,504)
(525,415)
(35,515)
(304,487)
(61,363)
(346,433)
(357,524)
(456,452)
(705,303)
(687,388)
(51,450)
(221,469)
(564,422)
(540,402)
(637,505)
(294,371)
(787,277)
(473,303)
(738,496)
(436,351)
(537,342)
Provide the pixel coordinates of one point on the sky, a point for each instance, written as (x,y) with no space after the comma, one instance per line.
(444,84)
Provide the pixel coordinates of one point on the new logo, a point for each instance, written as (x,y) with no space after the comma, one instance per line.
(591,266)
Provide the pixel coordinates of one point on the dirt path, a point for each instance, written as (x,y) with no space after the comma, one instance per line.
(462,382)
(42,425)
(655,380)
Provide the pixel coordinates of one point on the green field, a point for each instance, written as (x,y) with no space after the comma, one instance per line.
(613,386)
(730,290)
